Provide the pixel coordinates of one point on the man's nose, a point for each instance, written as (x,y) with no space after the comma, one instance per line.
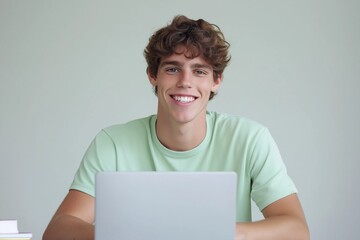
(184,79)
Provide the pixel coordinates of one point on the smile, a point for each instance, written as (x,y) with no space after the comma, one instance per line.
(183,99)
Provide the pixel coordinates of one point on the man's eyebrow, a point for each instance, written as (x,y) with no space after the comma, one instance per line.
(199,65)
(176,63)
(195,65)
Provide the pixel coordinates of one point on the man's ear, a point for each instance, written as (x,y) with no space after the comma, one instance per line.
(217,82)
(151,78)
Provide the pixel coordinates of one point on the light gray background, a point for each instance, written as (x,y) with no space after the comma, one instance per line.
(70,68)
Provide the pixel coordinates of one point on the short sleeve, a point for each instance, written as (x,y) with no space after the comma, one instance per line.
(100,156)
(269,179)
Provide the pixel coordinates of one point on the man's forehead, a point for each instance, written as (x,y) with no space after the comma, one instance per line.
(183,57)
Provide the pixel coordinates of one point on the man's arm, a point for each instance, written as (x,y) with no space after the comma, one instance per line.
(284,219)
(74,219)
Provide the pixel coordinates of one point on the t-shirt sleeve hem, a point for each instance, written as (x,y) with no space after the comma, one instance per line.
(263,204)
(83,189)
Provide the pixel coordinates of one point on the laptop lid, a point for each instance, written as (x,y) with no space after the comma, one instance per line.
(165,205)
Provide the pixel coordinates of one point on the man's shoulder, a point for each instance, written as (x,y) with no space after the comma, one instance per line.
(134,126)
(228,121)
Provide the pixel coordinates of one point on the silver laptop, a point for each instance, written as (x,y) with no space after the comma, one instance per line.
(165,205)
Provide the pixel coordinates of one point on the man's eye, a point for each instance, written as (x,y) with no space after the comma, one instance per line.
(172,70)
(200,72)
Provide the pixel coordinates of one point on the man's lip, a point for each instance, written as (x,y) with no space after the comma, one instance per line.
(182,95)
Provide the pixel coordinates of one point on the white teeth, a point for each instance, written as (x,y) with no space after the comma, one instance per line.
(184,99)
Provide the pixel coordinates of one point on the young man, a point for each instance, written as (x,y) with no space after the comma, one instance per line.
(186,60)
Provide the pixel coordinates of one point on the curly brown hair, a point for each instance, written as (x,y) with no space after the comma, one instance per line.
(198,36)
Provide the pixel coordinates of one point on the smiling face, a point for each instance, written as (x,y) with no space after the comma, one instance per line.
(183,87)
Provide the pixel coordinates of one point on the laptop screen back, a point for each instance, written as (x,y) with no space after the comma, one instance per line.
(165,205)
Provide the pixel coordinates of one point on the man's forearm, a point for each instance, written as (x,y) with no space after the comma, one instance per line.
(277,228)
(68,227)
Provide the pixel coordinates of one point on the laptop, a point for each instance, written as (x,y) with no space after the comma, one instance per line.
(165,205)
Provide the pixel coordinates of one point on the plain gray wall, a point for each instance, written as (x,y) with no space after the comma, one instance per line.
(70,68)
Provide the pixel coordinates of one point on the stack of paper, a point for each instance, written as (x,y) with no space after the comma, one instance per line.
(9,231)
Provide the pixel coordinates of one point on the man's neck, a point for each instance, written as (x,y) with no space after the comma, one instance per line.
(181,136)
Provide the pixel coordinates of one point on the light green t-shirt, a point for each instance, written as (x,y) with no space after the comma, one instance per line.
(231,144)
